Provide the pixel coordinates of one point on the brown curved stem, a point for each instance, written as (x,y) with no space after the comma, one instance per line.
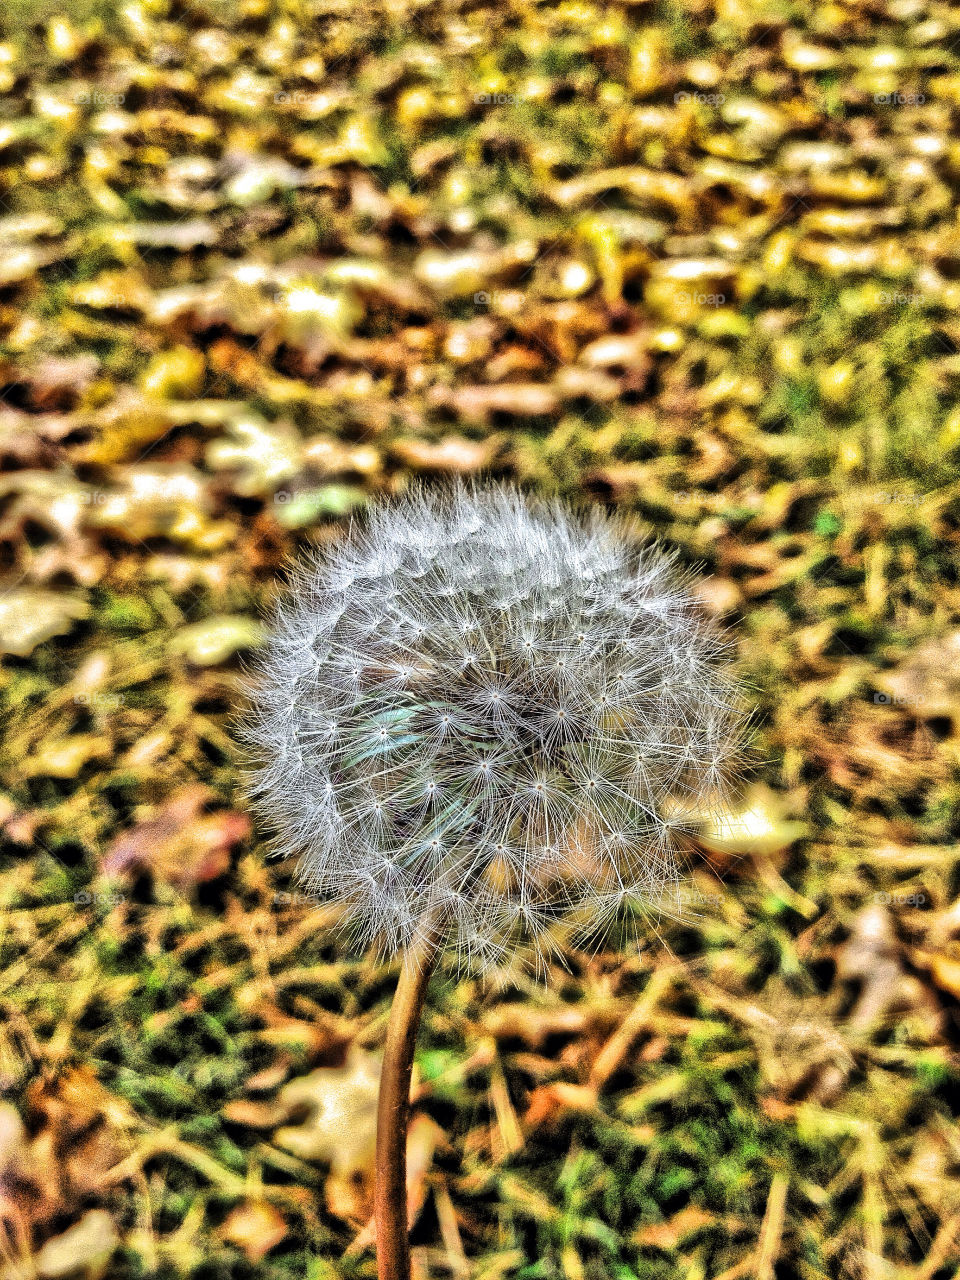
(393,1108)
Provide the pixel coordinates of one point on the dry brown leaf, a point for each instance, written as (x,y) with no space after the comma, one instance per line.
(762,823)
(531,1025)
(873,959)
(180,844)
(453,454)
(476,404)
(76,1135)
(929,680)
(255,1227)
(669,1234)
(85,1249)
(29,616)
(551,1101)
(423,1137)
(943,969)
(55,382)
(254,1115)
(339,1127)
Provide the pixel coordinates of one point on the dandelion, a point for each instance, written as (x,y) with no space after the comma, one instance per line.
(469,722)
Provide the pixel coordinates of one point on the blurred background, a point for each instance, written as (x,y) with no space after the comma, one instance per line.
(261,262)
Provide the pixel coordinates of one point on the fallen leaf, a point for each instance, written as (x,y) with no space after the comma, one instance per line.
(943,969)
(163,500)
(928,680)
(175,373)
(125,426)
(260,454)
(85,1249)
(29,616)
(453,454)
(181,844)
(477,403)
(423,1137)
(113,291)
(214,640)
(254,1115)
(760,824)
(669,1234)
(871,959)
(306,506)
(255,1227)
(183,234)
(65,757)
(551,1101)
(55,382)
(339,1127)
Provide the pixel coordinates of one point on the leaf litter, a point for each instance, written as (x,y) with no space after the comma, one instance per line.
(264,262)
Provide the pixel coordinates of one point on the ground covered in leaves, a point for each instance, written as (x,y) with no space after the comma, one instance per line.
(262,261)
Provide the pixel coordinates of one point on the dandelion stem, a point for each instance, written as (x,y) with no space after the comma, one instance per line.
(393,1108)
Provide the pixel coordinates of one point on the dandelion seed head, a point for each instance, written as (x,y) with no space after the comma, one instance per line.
(477,709)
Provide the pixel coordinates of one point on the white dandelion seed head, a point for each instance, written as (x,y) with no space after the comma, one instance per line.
(474,710)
